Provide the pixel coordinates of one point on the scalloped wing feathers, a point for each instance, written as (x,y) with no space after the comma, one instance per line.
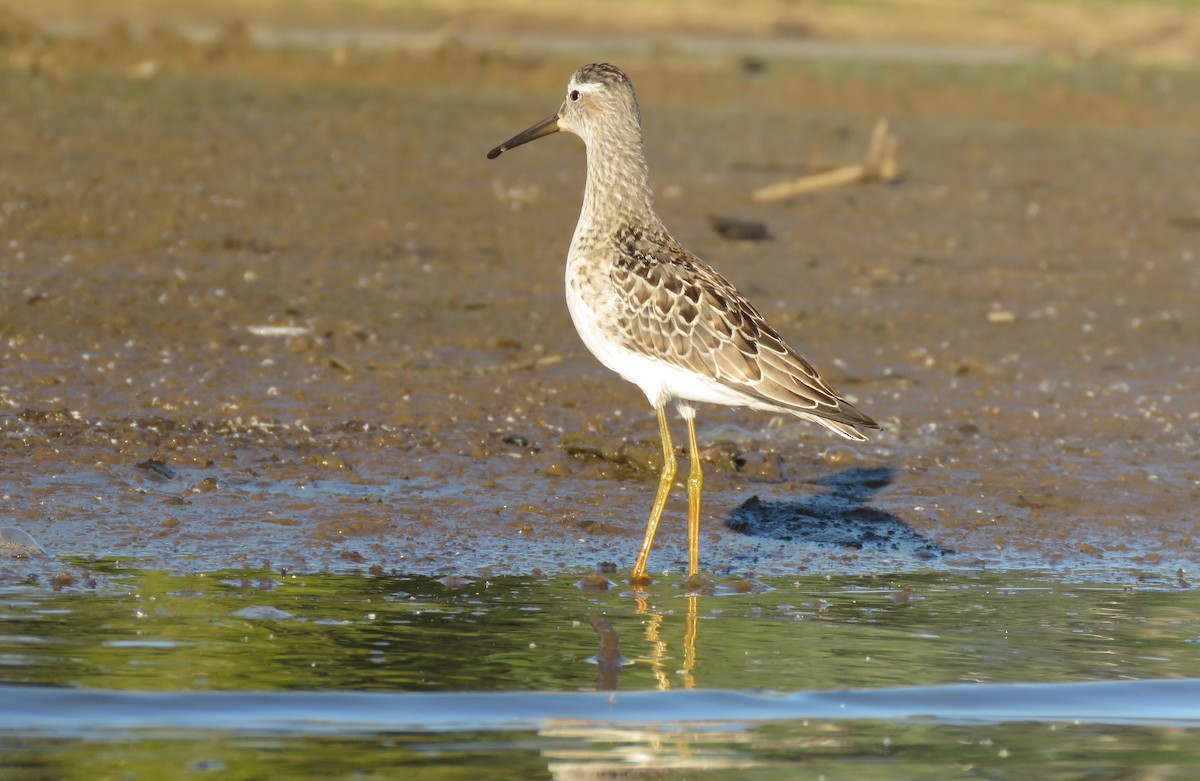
(679,310)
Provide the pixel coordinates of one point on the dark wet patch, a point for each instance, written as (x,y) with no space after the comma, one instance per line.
(840,517)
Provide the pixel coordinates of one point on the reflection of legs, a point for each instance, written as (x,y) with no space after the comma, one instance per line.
(691,628)
(695,482)
(658,648)
(660,499)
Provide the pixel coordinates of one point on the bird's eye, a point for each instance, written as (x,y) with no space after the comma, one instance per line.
(574,94)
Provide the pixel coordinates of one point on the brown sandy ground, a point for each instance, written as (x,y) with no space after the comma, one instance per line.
(291,276)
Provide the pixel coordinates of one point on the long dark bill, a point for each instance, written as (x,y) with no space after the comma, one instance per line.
(543,128)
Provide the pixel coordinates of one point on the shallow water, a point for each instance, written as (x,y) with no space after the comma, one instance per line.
(125,628)
(930,674)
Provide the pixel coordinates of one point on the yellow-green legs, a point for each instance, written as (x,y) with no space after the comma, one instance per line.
(694,483)
(639,576)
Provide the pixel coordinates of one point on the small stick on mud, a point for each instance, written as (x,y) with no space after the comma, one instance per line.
(879,165)
(513,366)
(516,366)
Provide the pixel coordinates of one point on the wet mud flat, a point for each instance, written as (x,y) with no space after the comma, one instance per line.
(274,307)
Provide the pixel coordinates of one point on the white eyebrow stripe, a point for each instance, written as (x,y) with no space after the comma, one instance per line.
(589,87)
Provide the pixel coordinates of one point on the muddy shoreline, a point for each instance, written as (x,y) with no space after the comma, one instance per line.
(295,280)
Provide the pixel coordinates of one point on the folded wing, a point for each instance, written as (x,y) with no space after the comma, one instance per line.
(682,311)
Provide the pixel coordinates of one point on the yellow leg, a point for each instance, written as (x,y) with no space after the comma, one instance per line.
(639,576)
(695,482)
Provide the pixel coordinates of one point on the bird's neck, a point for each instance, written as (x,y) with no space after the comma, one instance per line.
(618,183)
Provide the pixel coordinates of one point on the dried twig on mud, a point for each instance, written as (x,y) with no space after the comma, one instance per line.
(879,165)
(516,366)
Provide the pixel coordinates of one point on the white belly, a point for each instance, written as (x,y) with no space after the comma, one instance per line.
(588,299)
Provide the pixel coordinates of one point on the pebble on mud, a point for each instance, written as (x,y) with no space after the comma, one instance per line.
(159,467)
(503,343)
(556,469)
(838,455)
(743,586)
(639,456)
(723,454)
(521,441)
(329,460)
(62,580)
(767,467)
(205,485)
(593,583)
(739,229)
(11,424)
(19,544)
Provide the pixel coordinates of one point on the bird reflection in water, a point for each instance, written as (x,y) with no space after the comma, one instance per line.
(610,661)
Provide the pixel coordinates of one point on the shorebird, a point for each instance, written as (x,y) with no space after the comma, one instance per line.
(654,313)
